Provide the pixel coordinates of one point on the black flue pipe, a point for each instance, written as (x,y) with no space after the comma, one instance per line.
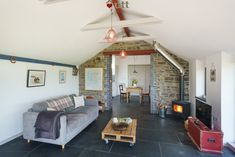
(181,88)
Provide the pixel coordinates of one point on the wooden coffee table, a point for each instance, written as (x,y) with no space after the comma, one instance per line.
(128,135)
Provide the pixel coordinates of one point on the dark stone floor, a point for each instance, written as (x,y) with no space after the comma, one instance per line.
(156,137)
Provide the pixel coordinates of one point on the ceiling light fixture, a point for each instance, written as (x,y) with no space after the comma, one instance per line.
(135,72)
(111,35)
(123,52)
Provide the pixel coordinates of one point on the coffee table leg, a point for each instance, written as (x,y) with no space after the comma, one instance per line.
(106,141)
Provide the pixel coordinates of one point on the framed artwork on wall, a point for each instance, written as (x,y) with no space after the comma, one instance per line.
(36,78)
(213,75)
(62,76)
(94,79)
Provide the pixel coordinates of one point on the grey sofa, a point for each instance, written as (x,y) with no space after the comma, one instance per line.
(71,124)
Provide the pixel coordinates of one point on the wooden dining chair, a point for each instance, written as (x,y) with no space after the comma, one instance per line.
(146,94)
(123,94)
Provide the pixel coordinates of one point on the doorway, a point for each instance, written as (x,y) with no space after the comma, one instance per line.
(142,74)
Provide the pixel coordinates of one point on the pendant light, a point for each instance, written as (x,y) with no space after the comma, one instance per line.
(135,72)
(123,52)
(111,35)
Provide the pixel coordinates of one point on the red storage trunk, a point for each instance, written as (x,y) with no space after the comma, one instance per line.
(205,139)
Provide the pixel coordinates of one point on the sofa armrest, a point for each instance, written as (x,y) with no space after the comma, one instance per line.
(91,102)
(29,119)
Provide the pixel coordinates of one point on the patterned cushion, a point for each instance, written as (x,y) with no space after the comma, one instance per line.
(60,103)
(40,106)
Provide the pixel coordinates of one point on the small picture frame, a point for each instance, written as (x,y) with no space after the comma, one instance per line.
(213,75)
(36,78)
(62,76)
(75,71)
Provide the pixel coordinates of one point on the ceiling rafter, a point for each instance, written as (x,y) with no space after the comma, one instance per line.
(121,16)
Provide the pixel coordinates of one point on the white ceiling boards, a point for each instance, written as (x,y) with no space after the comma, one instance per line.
(190,28)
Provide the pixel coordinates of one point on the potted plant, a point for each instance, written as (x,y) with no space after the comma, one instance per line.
(134,82)
(162,109)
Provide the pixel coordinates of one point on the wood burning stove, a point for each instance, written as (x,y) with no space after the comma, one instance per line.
(181,108)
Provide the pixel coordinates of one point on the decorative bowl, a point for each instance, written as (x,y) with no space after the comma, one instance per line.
(121,126)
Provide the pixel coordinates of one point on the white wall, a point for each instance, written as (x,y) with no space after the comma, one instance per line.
(197,82)
(221,93)
(142,75)
(200,78)
(192,76)
(16,98)
(228,97)
(213,96)
(122,66)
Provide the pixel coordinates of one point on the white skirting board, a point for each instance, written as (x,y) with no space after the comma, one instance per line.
(11,138)
(231,145)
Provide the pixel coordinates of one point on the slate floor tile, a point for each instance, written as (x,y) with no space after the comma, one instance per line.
(184,138)
(157,136)
(49,150)
(19,144)
(226,153)
(91,141)
(140,149)
(13,154)
(179,150)
(91,153)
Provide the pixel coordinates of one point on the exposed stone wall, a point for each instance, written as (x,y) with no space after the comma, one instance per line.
(153,82)
(132,45)
(102,61)
(168,79)
(164,76)
(99,61)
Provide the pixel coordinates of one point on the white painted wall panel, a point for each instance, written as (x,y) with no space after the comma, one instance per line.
(16,98)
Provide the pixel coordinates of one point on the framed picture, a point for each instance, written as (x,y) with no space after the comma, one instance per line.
(75,71)
(62,76)
(94,79)
(36,78)
(213,75)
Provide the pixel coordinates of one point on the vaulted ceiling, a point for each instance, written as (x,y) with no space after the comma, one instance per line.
(190,28)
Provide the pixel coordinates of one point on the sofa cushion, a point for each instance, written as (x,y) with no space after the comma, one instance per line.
(71,97)
(74,121)
(40,106)
(91,102)
(79,101)
(69,109)
(60,103)
(90,110)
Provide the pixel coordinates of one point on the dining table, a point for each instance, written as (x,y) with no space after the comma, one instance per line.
(134,90)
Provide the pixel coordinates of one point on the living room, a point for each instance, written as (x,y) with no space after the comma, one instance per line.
(59,54)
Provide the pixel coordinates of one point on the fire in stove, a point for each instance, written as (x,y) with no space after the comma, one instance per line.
(177,108)
(181,108)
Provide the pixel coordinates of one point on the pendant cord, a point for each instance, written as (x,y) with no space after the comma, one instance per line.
(111,18)
(134,63)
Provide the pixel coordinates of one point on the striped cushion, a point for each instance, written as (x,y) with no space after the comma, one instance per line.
(60,103)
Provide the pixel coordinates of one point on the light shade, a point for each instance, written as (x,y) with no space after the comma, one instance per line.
(123,53)
(135,72)
(111,35)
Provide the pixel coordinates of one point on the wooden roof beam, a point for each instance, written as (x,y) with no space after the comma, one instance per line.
(130,52)
(121,16)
